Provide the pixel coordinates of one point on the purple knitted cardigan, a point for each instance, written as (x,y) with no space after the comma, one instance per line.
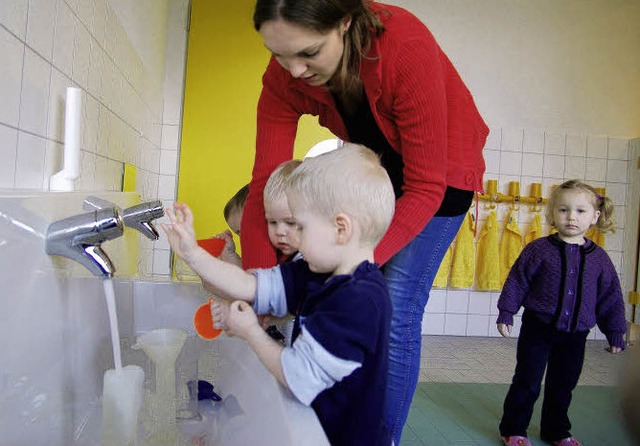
(536,282)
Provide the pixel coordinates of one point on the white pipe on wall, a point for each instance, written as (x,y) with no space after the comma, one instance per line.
(64,180)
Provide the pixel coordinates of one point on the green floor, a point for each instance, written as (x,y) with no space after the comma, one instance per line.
(468,414)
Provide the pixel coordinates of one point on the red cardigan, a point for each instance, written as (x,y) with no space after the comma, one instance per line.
(421,106)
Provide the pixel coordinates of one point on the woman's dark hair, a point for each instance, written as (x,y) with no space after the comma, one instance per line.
(323,16)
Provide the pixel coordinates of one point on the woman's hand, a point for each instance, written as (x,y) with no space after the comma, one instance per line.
(505,330)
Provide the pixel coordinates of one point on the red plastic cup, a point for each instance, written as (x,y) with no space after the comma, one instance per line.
(213,246)
(203,322)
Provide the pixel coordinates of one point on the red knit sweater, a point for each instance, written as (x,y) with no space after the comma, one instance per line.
(419,102)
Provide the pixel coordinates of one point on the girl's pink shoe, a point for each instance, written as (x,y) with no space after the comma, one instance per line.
(517,440)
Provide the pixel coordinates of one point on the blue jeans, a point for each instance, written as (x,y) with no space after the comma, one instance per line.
(410,274)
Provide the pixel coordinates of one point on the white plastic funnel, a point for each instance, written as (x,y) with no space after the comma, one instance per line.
(163,345)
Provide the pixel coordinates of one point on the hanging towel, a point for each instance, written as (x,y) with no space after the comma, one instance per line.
(442,276)
(535,230)
(595,234)
(510,246)
(464,257)
(488,256)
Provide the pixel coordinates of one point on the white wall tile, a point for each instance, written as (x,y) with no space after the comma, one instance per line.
(618,149)
(532,164)
(457,301)
(35,94)
(167,187)
(477,325)
(433,324)
(533,141)
(553,166)
(8,148)
(617,192)
(13,15)
(595,169)
(437,302)
(479,303)
(168,162)
(455,324)
(494,138)
(170,137)
(30,161)
(576,145)
(492,161)
(512,139)
(11,55)
(41,27)
(617,171)
(597,146)
(510,163)
(554,143)
(575,167)
(63,39)
(81,56)
(57,98)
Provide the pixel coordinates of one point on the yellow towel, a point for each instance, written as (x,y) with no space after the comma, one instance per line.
(442,276)
(464,256)
(510,246)
(488,255)
(595,234)
(535,230)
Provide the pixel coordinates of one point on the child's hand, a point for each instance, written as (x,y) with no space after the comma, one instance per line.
(180,231)
(220,312)
(242,320)
(228,253)
(505,330)
(613,349)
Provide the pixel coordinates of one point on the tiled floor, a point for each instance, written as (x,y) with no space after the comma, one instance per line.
(492,360)
(464,381)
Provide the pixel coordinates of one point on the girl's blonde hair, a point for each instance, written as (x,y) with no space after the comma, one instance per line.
(349,180)
(274,190)
(605,222)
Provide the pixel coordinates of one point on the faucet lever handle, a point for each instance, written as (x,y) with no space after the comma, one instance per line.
(141,215)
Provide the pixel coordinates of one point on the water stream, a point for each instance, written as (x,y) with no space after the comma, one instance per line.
(113,322)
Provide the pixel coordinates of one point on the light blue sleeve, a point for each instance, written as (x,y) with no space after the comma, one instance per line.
(309,368)
(270,294)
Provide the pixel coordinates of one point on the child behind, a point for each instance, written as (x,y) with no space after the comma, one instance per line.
(343,203)
(555,327)
(232,212)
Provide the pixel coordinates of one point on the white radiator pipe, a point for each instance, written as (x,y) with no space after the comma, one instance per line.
(64,180)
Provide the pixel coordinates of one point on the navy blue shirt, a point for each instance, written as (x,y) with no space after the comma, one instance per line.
(349,315)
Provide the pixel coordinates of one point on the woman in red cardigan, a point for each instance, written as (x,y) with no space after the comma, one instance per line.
(374,75)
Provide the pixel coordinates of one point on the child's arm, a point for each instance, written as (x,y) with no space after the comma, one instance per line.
(242,322)
(505,330)
(223,278)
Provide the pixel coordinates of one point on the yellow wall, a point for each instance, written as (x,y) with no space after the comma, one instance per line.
(225,62)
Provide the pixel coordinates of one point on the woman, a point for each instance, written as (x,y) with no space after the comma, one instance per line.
(374,75)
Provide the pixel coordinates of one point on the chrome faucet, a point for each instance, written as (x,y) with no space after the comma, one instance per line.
(80,238)
(138,217)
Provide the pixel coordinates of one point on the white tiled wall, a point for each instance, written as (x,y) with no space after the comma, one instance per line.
(547,157)
(49,45)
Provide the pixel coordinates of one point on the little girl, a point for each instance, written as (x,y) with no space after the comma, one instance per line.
(566,284)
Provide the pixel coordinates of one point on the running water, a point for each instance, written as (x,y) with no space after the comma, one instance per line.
(122,392)
(113,321)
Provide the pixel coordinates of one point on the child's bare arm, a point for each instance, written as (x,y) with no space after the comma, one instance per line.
(221,277)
